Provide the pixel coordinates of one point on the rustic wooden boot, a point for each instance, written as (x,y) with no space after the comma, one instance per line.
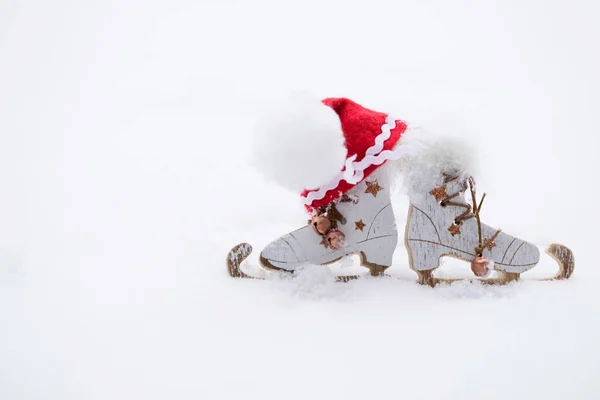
(443,223)
(362,222)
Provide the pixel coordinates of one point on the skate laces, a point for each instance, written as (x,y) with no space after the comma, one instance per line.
(470,211)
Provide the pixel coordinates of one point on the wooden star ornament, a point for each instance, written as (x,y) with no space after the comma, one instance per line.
(359,225)
(373,188)
(454,229)
(439,193)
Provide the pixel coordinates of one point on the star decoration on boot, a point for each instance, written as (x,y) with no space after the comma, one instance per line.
(359,225)
(454,229)
(373,188)
(439,193)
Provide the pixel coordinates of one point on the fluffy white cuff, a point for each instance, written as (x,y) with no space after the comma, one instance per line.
(426,156)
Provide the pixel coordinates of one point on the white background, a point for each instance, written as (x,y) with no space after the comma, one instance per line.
(124,181)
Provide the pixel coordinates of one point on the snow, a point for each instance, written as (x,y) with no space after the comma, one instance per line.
(125,178)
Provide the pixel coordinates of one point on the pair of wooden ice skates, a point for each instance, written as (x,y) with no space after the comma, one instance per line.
(444,221)
(352,210)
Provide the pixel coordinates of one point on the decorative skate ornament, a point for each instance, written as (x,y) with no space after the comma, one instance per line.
(444,224)
(352,214)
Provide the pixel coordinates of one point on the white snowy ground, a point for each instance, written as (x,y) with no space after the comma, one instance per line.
(124,181)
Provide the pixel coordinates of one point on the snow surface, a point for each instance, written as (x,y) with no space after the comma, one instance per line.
(125,179)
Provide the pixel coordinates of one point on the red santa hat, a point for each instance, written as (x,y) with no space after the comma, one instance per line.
(323,148)
(370,139)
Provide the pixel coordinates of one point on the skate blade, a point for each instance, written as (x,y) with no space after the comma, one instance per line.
(235,257)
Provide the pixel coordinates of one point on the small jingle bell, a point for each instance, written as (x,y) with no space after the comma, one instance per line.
(321,224)
(480,266)
(336,240)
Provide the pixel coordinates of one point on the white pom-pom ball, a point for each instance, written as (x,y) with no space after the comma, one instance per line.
(299,144)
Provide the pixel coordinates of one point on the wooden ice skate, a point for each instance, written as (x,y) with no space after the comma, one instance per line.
(362,223)
(444,224)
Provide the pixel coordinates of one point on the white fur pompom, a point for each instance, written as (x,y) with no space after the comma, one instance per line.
(426,155)
(299,144)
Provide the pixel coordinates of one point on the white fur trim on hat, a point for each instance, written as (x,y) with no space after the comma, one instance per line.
(300,144)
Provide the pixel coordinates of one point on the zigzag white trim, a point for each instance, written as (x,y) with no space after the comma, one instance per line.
(354,172)
(386,132)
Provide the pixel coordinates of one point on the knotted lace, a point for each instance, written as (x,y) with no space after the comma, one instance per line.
(470,211)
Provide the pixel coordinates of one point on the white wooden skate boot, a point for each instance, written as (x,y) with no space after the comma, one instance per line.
(364,216)
(442,223)
(340,178)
